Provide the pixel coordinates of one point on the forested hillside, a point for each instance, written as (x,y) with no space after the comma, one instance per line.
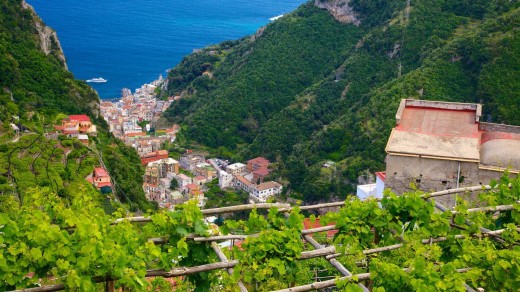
(307,88)
(35,91)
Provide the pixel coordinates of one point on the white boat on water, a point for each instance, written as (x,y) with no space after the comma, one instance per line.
(97,80)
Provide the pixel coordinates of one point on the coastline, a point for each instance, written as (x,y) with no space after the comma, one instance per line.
(129,45)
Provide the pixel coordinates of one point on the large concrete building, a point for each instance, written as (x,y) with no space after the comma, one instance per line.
(442,145)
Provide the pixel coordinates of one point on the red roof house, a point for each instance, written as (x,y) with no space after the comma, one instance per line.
(100,178)
(257,163)
(79,118)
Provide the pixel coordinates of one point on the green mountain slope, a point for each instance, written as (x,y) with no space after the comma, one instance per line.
(36,90)
(259,76)
(309,89)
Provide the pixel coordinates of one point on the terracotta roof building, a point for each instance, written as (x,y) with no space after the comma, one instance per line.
(100,178)
(441,145)
(257,163)
(154,156)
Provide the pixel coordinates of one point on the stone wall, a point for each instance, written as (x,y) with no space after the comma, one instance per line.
(431,175)
(442,104)
(490,127)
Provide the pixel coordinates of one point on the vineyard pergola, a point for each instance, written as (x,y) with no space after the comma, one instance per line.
(367,232)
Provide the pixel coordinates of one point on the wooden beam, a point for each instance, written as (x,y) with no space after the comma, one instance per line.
(175,272)
(222,257)
(332,283)
(231,209)
(184,271)
(325,284)
(333,262)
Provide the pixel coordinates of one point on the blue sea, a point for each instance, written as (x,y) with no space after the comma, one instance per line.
(132,42)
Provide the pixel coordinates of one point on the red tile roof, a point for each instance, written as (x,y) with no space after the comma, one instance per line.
(381,175)
(263,171)
(243,180)
(162,152)
(259,161)
(81,118)
(100,172)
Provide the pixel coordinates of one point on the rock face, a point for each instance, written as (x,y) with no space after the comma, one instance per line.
(48,39)
(340,9)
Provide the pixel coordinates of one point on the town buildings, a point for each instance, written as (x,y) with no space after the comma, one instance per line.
(249,178)
(75,125)
(129,117)
(236,168)
(154,156)
(189,162)
(158,177)
(125,117)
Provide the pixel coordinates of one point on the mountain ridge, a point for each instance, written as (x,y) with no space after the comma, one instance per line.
(428,50)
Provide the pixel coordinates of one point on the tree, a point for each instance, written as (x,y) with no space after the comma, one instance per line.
(174,184)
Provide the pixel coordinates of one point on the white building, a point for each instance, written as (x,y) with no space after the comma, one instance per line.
(241,183)
(372,190)
(183,180)
(225,180)
(264,191)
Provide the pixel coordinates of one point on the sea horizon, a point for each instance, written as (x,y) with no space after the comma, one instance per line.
(130,43)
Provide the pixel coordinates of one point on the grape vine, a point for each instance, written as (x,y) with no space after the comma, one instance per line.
(398,243)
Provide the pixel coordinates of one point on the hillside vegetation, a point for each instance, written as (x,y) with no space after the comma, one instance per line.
(36,90)
(307,88)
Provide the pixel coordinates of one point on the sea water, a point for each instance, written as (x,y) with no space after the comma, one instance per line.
(132,42)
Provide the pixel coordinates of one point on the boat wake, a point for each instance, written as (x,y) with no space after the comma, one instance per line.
(276,17)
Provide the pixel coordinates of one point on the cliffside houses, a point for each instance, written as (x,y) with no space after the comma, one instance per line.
(125,115)
(75,125)
(442,145)
(160,171)
(99,178)
(157,180)
(249,178)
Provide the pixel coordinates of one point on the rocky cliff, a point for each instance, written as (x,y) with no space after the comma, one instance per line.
(36,89)
(340,9)
(48,39)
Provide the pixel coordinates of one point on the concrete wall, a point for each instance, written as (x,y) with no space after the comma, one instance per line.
(490,127)
(442,104)
(429,175)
